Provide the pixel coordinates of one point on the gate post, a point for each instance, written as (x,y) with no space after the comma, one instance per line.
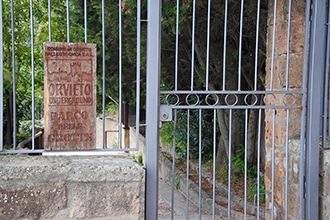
(152,108)
(317,65)
(1,79)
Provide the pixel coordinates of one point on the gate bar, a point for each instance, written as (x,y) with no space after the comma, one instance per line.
(314,106)
(1,79)
(303,142)
(152,114)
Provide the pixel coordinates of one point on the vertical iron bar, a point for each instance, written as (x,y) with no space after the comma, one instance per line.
(32,71)
(67,21)
(303,113)
(287,111)
(49,21)
(104,145)
(314,105)
(214,161)
(224,47)
(245,160)
(258,164)
(120,128)
(273,46)
(188,162)
(200,165)
(229,163)
(287,66)
(13,72)
(208,45)
(173,163)
(1,78)
(152,116)
(257,49)
(240,47)
(273,164)
(287,164)
(177,45)
(138,72)
(85,20)
(193,46)
(326,105)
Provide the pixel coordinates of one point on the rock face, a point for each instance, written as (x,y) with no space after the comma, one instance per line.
(75,187)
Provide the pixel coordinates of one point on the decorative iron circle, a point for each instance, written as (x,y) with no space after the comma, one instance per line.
(231,102)
(192,99)
(250,102)
(289,99)
(210,98)
(172,99)
(270,99)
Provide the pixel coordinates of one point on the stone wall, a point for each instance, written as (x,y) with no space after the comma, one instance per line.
(71,187)
(277,131)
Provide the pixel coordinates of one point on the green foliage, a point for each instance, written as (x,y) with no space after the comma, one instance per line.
(253,189)
(25,126)
(25,129)
(205,142)
(238,162)
(128,51)
(111,108)
(167,137)
(25,67)
(222,173)
(138,158)
(115,145)
(177,182)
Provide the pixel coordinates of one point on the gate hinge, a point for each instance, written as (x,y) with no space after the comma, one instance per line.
(165,113)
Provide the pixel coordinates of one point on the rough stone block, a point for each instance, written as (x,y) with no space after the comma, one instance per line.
(71,187)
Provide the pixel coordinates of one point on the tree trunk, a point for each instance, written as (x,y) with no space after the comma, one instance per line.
(222,150)
(252,133)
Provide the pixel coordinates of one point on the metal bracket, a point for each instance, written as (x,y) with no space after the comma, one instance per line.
(165,113)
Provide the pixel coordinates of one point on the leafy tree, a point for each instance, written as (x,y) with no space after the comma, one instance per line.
(113,38)
(24,66)
(233,66)
(20,66)
(127,38)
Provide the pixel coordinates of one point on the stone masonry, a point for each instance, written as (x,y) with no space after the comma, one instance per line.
(276,131)
(71,187)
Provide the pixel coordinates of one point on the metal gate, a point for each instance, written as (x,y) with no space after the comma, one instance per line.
(231,95)
(234,107)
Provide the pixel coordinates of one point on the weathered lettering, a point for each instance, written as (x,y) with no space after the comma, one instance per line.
(63,89)
(70,96)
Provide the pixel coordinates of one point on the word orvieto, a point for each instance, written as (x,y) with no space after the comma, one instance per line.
(70,89)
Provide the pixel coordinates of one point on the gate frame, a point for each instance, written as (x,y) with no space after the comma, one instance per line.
(152,108)
(316,71)
(315,34)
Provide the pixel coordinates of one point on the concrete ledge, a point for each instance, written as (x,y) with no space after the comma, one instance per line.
(71,187)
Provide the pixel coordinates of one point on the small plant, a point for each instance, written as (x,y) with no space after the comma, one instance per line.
(238,166)
(112,109)
(253,189)
(238,160)
(222,173)
(115,145)
(25,128)
(138,158)
(177,182)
